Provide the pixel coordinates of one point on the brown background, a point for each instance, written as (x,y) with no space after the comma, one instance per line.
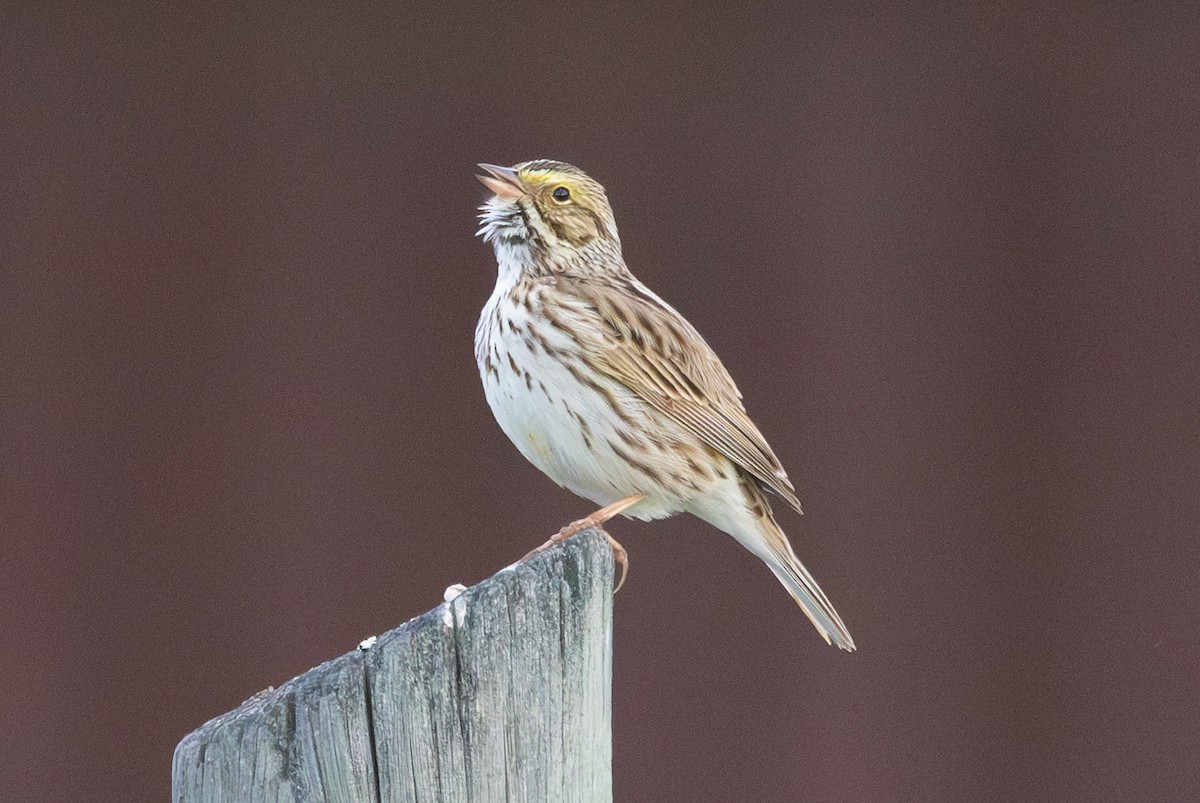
(950,259)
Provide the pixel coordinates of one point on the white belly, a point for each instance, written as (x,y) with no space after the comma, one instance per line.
(564,427)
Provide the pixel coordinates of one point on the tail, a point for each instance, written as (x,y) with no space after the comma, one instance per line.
(804,589)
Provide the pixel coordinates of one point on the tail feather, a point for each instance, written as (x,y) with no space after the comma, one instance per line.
(811,599)
(754,527)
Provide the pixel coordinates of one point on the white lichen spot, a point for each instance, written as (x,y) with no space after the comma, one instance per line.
(451,593)
(368,643)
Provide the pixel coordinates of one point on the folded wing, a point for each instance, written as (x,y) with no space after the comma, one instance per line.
(643,343)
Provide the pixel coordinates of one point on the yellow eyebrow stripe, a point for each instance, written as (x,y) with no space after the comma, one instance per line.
(548,177)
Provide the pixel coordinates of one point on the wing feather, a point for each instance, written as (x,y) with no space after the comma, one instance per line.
(640,341)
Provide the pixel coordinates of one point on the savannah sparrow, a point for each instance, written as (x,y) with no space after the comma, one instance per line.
(608,390)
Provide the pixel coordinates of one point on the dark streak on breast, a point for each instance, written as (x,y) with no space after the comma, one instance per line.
(696,468)
(587,381)
(558,324)
(650,472)
(490,368)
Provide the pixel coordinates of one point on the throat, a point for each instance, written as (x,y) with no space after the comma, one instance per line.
(514,256)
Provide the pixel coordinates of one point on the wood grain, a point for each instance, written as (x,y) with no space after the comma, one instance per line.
(502,694)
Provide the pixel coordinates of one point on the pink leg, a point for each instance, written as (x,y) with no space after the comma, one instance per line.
(597,519)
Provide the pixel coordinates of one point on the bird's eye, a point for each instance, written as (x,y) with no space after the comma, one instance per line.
(561,194)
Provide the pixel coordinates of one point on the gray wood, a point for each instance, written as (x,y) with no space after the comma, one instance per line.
(332,752)
(502,694)
(308,740)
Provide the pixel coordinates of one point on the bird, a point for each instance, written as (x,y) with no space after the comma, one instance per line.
(609,391)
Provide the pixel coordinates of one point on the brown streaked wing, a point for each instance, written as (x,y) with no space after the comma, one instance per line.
(652,350)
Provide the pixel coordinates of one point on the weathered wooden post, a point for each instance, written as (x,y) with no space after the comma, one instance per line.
(503,693)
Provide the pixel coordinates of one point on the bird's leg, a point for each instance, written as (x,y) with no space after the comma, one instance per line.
(597,519)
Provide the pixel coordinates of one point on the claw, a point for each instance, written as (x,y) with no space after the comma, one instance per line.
(597,520)
(620,558)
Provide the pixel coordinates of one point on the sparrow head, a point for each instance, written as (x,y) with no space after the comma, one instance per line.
(551,206)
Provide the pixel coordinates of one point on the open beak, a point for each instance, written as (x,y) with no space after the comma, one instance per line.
(503,181)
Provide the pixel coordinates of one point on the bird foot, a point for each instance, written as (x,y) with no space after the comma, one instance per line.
(597,520)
